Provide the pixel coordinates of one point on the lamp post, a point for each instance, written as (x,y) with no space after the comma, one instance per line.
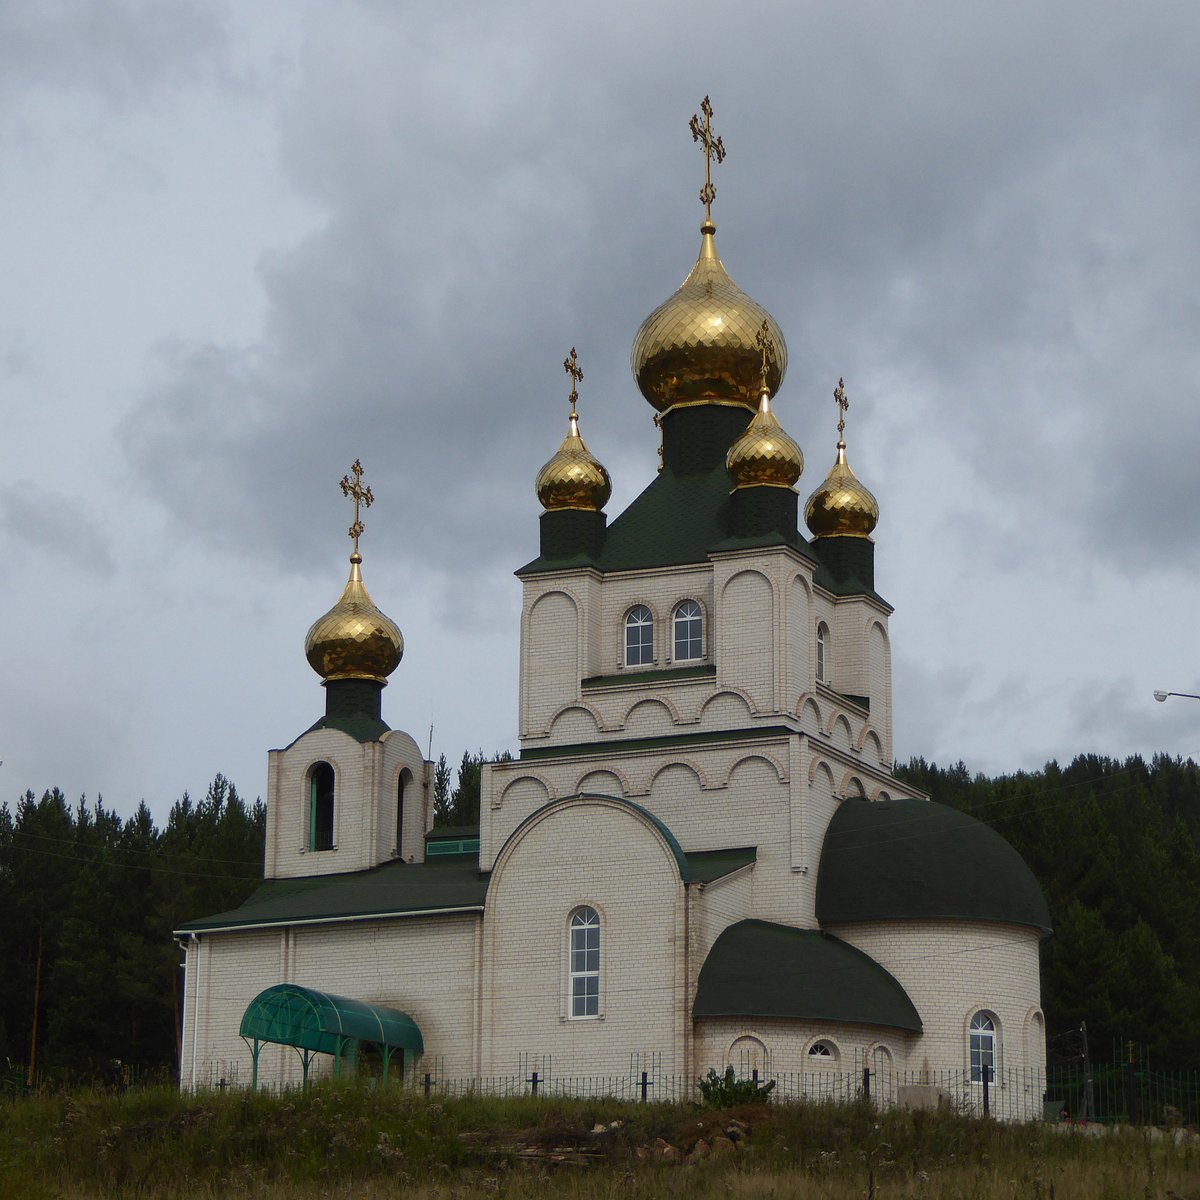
(1161,697)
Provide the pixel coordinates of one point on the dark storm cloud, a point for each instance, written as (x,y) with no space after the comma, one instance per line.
(116,49)
(980,207)
(56,525)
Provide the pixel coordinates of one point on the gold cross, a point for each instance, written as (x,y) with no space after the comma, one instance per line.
(839,396)
(572,368)
(766,345)
(713,148)
(362,496)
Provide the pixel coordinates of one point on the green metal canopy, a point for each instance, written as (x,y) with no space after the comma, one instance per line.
(300,1016)
(317,1022)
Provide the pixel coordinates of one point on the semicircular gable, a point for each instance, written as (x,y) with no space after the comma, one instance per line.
(729,706)
(526,789)
(758,762)
(819,767)
(576,721)
(870,745)
(676,773)
(809,710)
(607,783)
(648,718)
(663,835)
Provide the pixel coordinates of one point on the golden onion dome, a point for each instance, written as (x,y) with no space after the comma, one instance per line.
(354,640)
(841,506)
(699,346)
(573,478)
(765,456)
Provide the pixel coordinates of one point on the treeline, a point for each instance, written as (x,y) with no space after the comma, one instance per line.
(89,973)
(91,980)
(1116,848)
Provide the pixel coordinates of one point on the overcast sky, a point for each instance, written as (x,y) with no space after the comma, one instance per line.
(245,244)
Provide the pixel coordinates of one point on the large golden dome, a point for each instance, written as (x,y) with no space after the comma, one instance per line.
(573,478)
(765,456)
(698,347)
(354,640)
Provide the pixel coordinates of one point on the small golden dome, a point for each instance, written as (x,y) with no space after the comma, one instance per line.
(573,478)
(841,506)
(354,640)
(765,456)
(698,347)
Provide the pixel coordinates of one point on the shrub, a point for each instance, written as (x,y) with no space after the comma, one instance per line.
(728,1091)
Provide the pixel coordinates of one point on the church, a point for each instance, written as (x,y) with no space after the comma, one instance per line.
(699,857)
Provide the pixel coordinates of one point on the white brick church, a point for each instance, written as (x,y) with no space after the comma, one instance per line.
(699,857)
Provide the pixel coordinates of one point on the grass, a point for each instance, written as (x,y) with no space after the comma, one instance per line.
(354,1142)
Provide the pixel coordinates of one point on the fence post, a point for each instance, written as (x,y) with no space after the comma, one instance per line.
(645,1085)
(428,1084)
(534,1081)
(866,1083)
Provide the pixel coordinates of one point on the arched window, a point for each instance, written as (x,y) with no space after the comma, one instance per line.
(689,631)
(822,653)
(823,1053)
(585,963)
(320,807)
(983,1046)
(639,637)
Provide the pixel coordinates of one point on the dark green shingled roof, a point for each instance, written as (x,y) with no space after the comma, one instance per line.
(889,860)
(706,865)
(362,727)
(384,891)
(760,969)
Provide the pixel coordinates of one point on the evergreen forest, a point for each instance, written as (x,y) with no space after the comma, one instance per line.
(90,977)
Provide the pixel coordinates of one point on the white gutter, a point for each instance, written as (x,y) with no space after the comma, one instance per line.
(375,916)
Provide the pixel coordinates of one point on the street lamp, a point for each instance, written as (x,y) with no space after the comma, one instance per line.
(1162,696)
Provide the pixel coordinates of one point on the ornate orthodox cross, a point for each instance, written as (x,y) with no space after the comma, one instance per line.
(361,495)
(839,396)
(713,148)
(766,345)
(572,368)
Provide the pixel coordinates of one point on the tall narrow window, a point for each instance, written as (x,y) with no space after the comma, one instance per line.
(400,814)
(822,653)
(639,637)
(689,631)
(983,1047)
(320,807)
(585,963)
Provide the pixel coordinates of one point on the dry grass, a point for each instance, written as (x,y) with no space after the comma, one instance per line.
(355,1143)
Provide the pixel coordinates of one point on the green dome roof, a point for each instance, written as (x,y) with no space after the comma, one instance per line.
(895,860)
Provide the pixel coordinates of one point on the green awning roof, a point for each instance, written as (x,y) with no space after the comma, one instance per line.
(291,1015)
(761,969)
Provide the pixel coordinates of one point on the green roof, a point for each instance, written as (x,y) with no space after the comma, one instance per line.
(705,866)
(290,1015)
(760,969)
(389,890)
(887,860)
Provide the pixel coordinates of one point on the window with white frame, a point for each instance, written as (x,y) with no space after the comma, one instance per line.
(823,1053)
(585,963)
(822,653)
(983,1046)
(639,637)
(689,631)
(320,807)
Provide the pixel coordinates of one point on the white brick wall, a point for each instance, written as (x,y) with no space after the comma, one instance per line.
(424,966)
